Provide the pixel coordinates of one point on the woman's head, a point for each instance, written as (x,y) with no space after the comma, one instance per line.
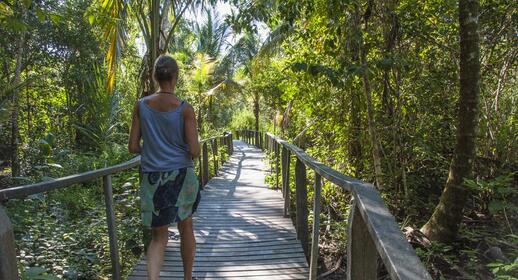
(165,69)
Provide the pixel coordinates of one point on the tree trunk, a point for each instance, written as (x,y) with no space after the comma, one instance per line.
(371,122)
(445,221)
(376,149)
(15,131)
(355,146)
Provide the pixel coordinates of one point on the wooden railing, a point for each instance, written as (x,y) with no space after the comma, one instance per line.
(373,232)
(8,262)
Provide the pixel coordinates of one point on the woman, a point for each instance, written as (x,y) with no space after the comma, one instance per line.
(169,188)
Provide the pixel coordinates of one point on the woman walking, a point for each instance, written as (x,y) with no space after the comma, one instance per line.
(169,189)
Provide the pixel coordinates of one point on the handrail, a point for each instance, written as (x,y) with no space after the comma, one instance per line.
(25,190)
(373,230)
(8,267)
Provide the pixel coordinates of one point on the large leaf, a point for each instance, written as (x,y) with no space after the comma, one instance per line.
(110,15)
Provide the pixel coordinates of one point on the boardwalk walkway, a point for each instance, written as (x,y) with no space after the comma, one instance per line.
(240,229)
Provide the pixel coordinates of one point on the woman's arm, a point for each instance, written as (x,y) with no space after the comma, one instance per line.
(191,132)
(134,137)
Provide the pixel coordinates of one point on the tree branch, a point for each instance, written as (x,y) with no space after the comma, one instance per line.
(176,21)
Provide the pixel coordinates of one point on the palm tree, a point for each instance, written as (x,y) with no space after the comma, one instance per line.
(157,21)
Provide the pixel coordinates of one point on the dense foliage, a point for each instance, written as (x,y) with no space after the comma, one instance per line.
(368,87)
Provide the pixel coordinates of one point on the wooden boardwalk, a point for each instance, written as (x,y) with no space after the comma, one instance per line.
(240,229)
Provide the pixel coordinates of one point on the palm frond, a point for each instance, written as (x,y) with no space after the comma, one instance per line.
(6,94)
(110,15)
(225,85)
(275,39)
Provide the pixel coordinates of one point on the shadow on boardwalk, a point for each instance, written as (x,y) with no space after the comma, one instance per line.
(240,229)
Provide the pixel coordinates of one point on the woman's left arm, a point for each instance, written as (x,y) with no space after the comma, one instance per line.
(134,137)
(191,132)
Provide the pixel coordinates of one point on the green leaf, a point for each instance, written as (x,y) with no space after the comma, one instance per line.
(46,277)
(27,3)
(91,19)
(55,18)
(32,272)
(41,15)
(5,10)
(495,205)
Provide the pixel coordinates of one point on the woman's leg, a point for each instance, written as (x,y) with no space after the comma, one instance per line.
(155,252)
(188,246)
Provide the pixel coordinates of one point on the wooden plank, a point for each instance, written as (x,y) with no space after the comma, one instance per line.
(239,253)
(230,245)
(264,273)
(228,265)
(231,267)
(214,248)
(277,277)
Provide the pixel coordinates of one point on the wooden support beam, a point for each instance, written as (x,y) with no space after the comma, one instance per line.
(286,182)
(362,255)
(283,171)
(214,144)
(313,267)
(112,230)
(231,144)
(8,267)
(205,164)
(301,200)
(276,150)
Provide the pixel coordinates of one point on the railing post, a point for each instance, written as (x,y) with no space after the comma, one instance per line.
(362,255)
(205,164)
(283,171)
(112,231)
(286,180)
(222,142)
(231,143)
(200,173)
(214,144)
(8,266)
(302,210)
(313,265)
(277,164)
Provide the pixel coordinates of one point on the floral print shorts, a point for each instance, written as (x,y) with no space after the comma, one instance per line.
(168,197)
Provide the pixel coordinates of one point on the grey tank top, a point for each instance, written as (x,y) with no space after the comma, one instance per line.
(164,147)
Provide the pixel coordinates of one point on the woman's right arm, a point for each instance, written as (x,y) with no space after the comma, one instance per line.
(191,131)
(134,137)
